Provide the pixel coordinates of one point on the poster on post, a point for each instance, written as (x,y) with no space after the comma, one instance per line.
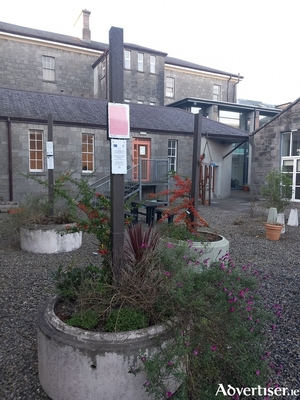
(118,121)
(118,156)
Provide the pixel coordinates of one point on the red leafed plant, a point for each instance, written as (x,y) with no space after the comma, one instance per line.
(181,204)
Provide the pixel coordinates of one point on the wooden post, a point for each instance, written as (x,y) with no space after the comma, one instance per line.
(116,95)
(196,161)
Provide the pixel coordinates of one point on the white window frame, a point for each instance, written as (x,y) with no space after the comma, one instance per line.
(36,150)
(127,59)
(152,64)
(87,154)
(172,154)
(170,87)
(217,92)
(140,62)
(291,163)
(48,68)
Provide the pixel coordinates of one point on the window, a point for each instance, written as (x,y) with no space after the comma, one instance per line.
(140,62)
(87,153)
(152,64)
(230,118)
(140,102)
(36,154)
(170,87)
(152,103)
(217,92)
(127,59)
(172,154)
(48,68)
(290,160)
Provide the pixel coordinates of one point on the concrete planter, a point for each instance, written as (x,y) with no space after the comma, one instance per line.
(208,251)
(47,239)
(75,364)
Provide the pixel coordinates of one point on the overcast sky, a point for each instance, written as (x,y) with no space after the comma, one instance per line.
(258,38)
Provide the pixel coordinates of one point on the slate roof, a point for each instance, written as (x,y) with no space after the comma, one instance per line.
(53,37)
(70,40)
(187,64)
(30,106)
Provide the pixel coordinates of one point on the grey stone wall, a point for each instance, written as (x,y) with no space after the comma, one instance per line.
(67,154)
(189,84)
(143,86)
(67,148)
(266,145)
(21,68)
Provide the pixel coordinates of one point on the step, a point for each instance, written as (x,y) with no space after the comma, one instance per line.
(5,206)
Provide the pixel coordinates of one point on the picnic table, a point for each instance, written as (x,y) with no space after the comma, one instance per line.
(150,208)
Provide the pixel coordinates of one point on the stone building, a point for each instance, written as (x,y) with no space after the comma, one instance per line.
(53,63)
(160,134)
(62,70)
(276,145)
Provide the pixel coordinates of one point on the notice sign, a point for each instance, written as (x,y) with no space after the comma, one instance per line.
(118,121)
(118,156)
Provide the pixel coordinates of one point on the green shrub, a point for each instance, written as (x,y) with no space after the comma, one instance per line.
(85,320)
(126,319)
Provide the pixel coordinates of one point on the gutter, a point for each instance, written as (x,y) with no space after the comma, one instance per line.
(10,170)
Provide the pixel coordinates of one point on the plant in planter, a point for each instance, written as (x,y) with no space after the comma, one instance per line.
(277,193)
(152,328)
(188,223)
(39,226)
(191,331)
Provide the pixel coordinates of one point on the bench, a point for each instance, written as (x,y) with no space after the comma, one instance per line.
(160,210)
(133,216)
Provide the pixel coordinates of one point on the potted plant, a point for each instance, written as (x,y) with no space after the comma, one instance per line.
(154,327)
(277,193)
(41,227)
(188,225)
(246,187)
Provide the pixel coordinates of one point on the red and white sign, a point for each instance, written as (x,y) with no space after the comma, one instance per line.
(118,121)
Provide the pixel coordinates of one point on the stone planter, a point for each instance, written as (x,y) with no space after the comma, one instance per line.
(75,364)
(208,251)
(47,239)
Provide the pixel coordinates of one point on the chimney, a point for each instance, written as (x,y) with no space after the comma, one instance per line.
(84,21)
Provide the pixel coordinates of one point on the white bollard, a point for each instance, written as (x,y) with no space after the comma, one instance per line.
(293,218)
(272,215)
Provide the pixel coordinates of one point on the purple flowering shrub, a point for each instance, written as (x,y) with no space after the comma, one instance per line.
(221,328)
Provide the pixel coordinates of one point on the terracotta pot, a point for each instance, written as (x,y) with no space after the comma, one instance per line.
(273,231)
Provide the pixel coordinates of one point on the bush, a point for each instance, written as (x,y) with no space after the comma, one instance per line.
(278,190)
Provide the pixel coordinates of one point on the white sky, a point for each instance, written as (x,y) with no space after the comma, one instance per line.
(257,38)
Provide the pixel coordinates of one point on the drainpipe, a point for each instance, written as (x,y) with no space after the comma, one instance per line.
(228,88)
(234,94)
(10,173)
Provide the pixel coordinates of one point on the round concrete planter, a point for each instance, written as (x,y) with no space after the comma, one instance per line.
(75,364)
(208,251)
(48,239)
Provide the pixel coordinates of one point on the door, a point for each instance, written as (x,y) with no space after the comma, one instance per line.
(141,150)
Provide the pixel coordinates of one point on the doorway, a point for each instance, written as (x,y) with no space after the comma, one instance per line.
(141,151)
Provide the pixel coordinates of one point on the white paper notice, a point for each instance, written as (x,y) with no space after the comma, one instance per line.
(118,156)
(50,162)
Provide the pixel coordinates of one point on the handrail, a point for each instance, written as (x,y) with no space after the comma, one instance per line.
(155,173)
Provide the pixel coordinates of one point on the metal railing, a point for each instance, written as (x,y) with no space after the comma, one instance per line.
(145,172)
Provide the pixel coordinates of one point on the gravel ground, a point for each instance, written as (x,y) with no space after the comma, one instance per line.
(25,283)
